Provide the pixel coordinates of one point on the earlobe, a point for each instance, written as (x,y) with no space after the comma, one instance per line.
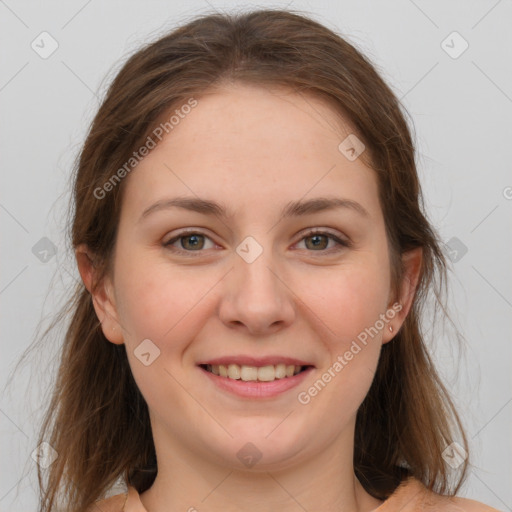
(101,294)
(412,264)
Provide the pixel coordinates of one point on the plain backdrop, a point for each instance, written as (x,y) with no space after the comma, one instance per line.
(450,64)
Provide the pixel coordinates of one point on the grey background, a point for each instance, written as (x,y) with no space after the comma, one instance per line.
(462,112)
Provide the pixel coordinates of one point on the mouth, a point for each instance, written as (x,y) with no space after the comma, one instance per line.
(252,382)
(253,373)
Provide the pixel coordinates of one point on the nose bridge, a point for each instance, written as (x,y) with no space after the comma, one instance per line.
(256,296)
(253,263)
(257,280)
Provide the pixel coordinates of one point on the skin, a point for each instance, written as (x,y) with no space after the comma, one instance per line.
(253,150)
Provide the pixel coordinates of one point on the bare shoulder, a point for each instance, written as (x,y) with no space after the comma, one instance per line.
(112,504)
(466,505)
(413,496)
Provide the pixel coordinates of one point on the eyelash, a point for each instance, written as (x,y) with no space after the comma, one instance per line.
(184,234)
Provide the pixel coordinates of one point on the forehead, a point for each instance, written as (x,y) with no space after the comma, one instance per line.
(252,145)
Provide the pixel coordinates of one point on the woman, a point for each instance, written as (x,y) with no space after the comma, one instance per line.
(254,256)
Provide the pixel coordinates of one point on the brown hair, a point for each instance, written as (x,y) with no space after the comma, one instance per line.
(97,420)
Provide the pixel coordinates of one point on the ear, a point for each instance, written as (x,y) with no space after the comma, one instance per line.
(411,262)
(102,295)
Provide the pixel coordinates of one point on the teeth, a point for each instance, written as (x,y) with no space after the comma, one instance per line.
(266,373)
(234,371)
(248,373)
(253,373)
(280,371)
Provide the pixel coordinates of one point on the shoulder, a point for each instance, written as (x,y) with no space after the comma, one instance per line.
(412,496)
(467,505)
(113,504)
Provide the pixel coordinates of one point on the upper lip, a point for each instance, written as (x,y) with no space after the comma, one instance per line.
(255,361)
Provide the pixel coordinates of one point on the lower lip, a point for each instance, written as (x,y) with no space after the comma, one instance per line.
(256,389)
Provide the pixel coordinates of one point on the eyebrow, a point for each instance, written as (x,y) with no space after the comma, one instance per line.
(291,209)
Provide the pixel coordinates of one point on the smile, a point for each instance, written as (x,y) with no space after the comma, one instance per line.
(247,373)
(255,382)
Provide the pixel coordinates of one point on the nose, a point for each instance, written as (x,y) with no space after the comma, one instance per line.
(256,299)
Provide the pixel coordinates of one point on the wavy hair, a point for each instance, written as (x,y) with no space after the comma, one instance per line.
(97,419)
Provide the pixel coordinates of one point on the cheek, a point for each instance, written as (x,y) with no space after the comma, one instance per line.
(158,301)
(347,299)
(141,305)
(348,304)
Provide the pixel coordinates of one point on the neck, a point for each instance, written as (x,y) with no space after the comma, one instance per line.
(188,481)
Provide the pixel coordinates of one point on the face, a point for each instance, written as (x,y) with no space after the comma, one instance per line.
(247,236)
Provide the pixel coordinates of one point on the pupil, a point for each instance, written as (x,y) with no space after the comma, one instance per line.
(193,241)
(317,240)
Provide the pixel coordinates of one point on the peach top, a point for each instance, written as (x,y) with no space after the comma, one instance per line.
(410,496)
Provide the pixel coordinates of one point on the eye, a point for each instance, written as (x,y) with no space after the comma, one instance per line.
(190,242)
(314,241)
(319,241)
